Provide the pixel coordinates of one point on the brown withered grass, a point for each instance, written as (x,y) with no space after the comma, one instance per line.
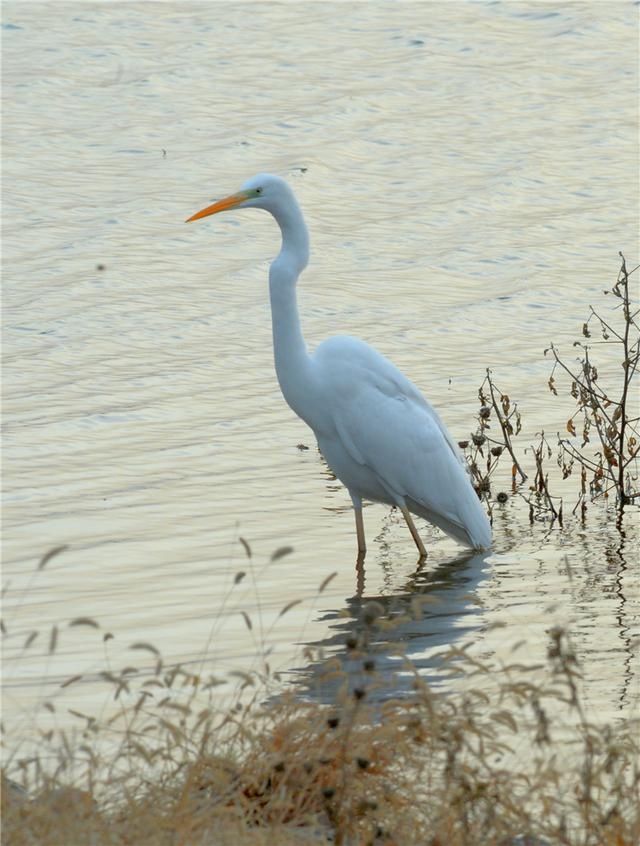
(510,759)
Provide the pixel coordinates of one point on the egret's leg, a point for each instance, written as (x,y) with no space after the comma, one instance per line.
(362,545)
(414,532)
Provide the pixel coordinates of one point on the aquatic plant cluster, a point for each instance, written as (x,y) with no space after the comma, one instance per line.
(604,425)
(504,754)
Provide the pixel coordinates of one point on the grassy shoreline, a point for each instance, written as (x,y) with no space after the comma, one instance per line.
(511,754)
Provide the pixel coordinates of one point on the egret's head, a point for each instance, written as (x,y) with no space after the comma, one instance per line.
(263,191)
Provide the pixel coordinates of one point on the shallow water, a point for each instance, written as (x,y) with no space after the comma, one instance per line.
(468,174)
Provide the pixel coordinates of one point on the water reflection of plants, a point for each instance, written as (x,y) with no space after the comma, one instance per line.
(605,441)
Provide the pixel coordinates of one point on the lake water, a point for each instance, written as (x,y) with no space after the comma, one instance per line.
(468,172)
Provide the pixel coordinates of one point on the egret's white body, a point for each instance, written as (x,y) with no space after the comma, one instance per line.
(379,435)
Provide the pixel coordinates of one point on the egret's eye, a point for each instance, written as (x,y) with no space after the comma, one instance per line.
(258,190)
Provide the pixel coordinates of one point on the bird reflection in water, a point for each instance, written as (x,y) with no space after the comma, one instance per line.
(433,609)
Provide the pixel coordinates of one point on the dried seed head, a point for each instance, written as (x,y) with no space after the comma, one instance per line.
(485,412)
(371,612)
(359,693)
(502,497)
(369,665)
(333,722)
(478,439)
(328,792)
(463,444)
(496,450)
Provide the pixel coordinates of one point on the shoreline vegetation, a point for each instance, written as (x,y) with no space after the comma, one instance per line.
(512,759)
(505,754)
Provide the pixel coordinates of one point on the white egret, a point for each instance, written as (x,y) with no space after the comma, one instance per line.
(376,431)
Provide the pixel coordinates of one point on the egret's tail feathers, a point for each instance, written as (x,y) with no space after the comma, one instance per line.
(475,532)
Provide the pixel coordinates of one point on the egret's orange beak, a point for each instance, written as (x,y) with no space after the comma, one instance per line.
(221,205)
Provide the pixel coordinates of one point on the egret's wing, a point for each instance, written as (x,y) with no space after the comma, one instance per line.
(404,445)
(385,424)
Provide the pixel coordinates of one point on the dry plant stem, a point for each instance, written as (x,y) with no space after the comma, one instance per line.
(483,452)
(617,429)
(541,483)
(503,426)
(629,369)
(339,820)
(596,398)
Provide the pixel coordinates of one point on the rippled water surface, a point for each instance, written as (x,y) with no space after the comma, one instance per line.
(468,172)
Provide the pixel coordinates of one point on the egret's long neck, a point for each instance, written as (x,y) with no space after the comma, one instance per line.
(291,358)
